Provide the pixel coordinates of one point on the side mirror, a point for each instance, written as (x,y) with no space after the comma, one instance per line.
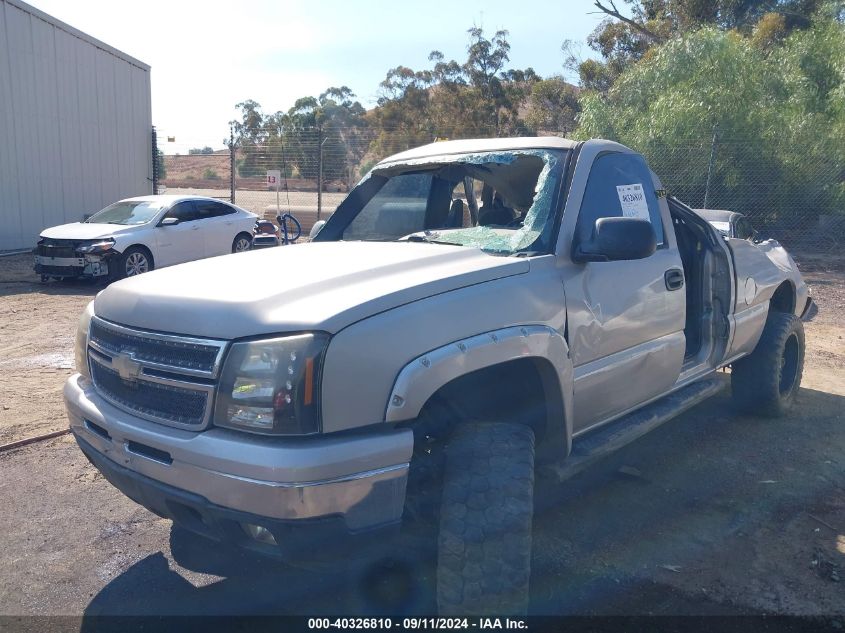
(169,222)
(618,239)
(318,226)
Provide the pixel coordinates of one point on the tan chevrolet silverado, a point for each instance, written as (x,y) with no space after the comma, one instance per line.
(472,311)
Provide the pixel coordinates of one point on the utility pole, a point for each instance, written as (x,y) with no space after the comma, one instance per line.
(231,164)
(320,172)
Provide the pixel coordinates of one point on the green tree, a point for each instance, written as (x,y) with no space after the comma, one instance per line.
(775,113)
(330,125)
(553,106)
(161,166)
(478,97)
(402,117)
(629,31)
(250,136)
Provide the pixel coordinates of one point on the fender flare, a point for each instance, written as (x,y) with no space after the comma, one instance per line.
(424,375)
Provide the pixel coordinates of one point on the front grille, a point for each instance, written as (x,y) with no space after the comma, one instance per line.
(57,248)
(164,378)
(173,352)
(150,399)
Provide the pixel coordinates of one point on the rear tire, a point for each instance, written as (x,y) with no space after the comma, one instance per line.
(241,243)
(484,544)
(766,381)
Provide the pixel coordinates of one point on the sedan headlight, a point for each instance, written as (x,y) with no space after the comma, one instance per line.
(100,246)
(272,385)
(80,347)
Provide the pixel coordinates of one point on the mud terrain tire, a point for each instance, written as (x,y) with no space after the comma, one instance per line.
(766,381)
(484,543)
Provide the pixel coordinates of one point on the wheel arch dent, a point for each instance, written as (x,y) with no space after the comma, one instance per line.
(422,377)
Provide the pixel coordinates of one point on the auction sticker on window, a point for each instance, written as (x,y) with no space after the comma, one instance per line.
(632,199)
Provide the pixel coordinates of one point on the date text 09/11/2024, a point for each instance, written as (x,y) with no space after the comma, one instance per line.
(419,623)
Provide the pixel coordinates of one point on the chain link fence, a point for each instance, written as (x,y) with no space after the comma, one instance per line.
(794,196)
(788,193)
(265,180)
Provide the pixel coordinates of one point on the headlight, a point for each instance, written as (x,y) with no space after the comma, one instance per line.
(272,385)
(80,347)
(97,247)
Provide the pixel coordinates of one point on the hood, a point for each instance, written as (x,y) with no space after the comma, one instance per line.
(85,231)
(319,286)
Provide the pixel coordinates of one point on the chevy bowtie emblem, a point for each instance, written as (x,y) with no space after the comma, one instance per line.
(126,366)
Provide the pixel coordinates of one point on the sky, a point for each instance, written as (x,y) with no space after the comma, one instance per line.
(207,56)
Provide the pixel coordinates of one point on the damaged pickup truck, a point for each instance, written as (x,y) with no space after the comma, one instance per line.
(471,311)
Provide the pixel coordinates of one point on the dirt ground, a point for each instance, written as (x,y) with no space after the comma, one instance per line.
(711,514)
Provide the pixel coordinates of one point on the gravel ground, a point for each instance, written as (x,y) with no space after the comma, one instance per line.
(712,513)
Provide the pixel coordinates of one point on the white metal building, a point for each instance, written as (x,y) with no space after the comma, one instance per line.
(75,124)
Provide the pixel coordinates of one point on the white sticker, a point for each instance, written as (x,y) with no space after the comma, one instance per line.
(632,199)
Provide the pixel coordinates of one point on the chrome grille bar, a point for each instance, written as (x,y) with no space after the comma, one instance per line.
(166,352)
(164,378)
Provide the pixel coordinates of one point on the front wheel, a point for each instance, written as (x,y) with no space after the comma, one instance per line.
(134,261)
(484,544)
(766,381)
(242,242)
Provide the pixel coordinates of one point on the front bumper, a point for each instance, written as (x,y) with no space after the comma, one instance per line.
(208,481)
(83,266)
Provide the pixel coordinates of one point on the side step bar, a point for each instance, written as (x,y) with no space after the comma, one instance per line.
(595,445)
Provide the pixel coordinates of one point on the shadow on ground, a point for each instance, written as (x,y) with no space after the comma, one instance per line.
(252,585)
(708,517)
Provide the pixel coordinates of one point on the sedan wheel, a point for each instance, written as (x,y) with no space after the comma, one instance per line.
(136,264)
(242,243)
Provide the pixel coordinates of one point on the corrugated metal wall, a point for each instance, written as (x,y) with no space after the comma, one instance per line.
(75,125)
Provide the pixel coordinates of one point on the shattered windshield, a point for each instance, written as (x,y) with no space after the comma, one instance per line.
(501,202)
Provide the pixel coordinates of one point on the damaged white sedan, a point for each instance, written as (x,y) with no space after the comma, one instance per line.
(136,235)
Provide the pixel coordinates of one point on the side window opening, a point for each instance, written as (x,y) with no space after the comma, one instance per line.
(183,211)
(398,209)
(744,230)
(619,185)
(463,208)
(211,209)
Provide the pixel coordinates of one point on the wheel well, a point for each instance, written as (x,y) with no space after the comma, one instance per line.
(524,391)
(783,300)
(248,236)
(143,248)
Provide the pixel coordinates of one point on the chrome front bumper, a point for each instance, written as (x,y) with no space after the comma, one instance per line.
(359,477)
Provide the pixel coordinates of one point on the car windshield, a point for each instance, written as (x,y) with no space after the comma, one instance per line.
(127,212)
(500,202)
